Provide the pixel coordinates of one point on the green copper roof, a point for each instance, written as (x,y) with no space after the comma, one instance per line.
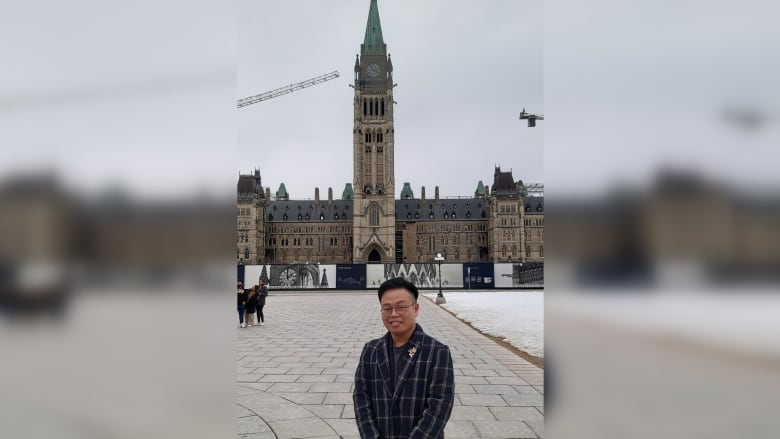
(348,193)
(406,192)
(373,43)
(282,192)
(480,189)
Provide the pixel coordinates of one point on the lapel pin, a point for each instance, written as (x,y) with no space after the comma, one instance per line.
(412,351)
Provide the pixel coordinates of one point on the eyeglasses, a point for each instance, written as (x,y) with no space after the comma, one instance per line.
(400,309)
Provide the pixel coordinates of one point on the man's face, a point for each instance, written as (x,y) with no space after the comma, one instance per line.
(401,318)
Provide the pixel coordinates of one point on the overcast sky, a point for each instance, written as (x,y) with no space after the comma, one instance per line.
(633,87)
(464,70)
(143,94)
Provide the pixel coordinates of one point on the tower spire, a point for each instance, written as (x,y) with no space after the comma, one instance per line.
(373,43)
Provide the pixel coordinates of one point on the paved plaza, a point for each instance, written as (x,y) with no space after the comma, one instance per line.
(296,373)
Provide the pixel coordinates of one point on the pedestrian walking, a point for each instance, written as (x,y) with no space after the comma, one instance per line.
(262,293)
(241,303)
(404,382)
(251,306)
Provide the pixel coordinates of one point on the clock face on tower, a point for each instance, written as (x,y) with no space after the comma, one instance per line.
(373,70)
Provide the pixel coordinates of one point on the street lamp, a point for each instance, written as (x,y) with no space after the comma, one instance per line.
(440,297)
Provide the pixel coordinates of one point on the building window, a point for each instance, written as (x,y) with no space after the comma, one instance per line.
(527,250)
(373,215)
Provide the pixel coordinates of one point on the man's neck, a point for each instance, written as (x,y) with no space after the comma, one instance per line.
(400,340)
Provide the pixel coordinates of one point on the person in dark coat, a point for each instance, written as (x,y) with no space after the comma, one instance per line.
(262,293)
(251,306)
(404,382)
(241,303)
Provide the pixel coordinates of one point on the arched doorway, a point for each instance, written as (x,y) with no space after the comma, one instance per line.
(374,256)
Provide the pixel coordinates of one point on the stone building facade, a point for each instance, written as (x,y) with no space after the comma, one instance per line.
(367,224)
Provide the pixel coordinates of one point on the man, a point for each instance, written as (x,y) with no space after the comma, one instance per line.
(404,383)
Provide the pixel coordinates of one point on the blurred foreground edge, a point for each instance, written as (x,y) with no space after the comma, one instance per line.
(53,243)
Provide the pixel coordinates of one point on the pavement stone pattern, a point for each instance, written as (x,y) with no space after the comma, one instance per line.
(295,375)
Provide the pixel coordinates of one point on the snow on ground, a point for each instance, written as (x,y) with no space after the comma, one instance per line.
(516,316)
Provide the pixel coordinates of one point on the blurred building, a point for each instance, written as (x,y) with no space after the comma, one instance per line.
(51,239)
(367,223)
(682,229)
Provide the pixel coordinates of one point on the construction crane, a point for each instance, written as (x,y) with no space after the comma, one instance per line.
(531,117)
(287,89)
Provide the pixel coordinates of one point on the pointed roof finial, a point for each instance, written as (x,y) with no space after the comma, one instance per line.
(373,43)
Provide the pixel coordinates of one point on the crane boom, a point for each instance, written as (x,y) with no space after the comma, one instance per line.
(287,89)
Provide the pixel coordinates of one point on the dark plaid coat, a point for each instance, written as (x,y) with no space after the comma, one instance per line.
(421,402)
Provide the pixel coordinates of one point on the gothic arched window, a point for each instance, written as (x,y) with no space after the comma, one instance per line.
(373,215)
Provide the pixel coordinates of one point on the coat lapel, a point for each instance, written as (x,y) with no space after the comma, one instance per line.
(384,364)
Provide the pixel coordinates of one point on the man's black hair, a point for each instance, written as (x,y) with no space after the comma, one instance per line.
(398,282)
